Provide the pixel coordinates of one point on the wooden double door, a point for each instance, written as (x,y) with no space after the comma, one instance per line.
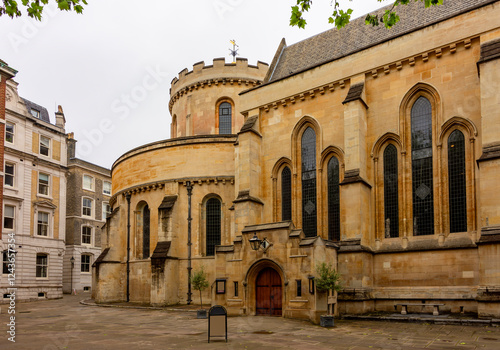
(268,292)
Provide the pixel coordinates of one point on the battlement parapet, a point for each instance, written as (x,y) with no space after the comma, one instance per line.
(218,70)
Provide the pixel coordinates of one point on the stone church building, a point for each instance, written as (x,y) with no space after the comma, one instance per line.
(375,150)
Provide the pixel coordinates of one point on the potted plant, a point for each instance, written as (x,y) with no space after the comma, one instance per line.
(199,282)
(328,280)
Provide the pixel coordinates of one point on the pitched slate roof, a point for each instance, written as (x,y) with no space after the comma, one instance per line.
(356,36)
(44,114)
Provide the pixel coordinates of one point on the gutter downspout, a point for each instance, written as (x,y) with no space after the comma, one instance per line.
(189,193)
(127,196)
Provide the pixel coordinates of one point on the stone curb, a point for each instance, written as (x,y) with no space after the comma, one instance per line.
(450,321)
(91,303)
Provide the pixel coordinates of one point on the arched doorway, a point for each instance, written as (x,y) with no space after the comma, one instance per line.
(268,292)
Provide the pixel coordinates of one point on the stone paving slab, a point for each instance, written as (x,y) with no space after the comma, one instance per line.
(67,324)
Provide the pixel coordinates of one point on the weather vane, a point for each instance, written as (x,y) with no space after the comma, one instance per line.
(234,51)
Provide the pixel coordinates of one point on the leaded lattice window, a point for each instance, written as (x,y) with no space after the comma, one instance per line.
(213,225)
(145,232)
(286,194)
(391,206)
(422,178)
(225,116)
(457,182)
(309,207)
(333,199)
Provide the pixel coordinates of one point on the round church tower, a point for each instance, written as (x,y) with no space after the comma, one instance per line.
(205,101)
(150,189)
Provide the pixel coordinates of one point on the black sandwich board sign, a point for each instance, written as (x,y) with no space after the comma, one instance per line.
(217,322)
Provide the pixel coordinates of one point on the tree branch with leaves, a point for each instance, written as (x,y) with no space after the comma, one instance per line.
(35,8)
(341,18)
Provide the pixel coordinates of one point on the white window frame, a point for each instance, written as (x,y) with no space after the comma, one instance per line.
(38,223)
(5,262)
(89,263)
(35,113)
(47,146)
(105,213)
(104,183)
(91,235)
(91,207)
(7,133)
(47,185)
(92,182)
(13,217)
(46,266)
(13,175)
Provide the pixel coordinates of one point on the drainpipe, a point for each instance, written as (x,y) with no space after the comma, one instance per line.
(189,192)
(127,196)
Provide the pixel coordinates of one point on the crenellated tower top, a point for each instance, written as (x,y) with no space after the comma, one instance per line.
(220,72)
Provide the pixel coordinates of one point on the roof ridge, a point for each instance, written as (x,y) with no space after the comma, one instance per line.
(334,44)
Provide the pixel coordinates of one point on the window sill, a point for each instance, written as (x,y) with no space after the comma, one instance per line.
(44,196)
(88,190)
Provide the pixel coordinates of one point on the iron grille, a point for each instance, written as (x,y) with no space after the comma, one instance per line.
(225,118)
(286,194)
(145,232)
(333,200)
(391,217)
(457,182)
(422,179)
(309,210)
(213,222)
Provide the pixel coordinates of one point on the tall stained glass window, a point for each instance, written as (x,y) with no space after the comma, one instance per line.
(145,232)
(333,200)
(309,207)
(286,194)
(213,225)
(391,215)
(422,178)
(457,182)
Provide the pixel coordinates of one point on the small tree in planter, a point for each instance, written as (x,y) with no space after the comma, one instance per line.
(199,282)
(328,279)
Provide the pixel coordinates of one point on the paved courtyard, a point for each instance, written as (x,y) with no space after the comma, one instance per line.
(67,324)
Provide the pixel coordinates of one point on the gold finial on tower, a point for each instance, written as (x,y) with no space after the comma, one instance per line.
(234,51)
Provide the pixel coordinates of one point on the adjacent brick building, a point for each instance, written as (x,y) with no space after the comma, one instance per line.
(89,191)
(34,197)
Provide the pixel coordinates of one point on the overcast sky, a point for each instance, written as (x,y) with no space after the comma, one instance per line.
(110,68)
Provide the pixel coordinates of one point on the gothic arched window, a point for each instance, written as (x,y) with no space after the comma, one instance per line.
(309,207)
(213,225)
(145,232)
(225,116)
(422,177)
(333,199)
(391,208)
(457,182)
(286,194)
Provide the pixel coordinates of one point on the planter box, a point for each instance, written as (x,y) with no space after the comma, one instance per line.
(326,320)
(201,313)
